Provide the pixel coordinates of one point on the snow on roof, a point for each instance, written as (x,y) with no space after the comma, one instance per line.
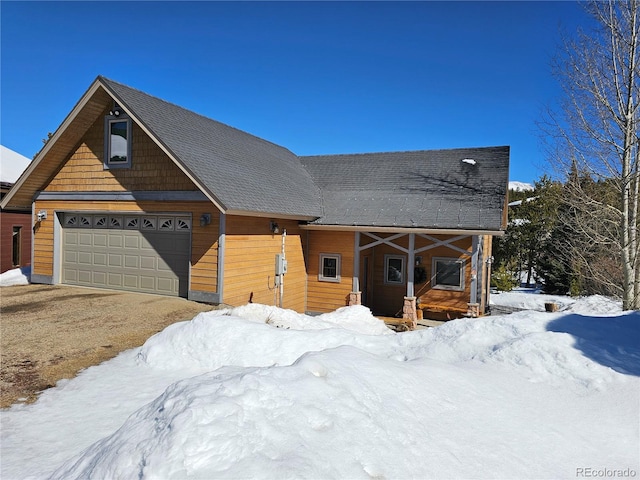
(520,186)
(12,164)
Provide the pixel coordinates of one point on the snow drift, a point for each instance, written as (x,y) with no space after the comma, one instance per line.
(259,392)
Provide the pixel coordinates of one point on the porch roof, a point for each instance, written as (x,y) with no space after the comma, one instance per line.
(460,189)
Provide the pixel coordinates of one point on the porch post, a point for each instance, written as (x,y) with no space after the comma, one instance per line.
(473,308)
(355,297)
(412,265)
(409,309)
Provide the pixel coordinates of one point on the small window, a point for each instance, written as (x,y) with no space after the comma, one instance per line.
(166,224)
(100,221)
(131,223)
(17,242)
(85,221)
(70,220)
(117,148)
(329,268)
(448,274)
(149,223)
(115,222)
(183,224)
(394,269)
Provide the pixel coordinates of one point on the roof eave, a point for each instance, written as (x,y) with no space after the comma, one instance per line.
(382,229)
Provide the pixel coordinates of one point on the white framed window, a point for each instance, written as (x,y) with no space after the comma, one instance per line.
(100,221)
(448,273)
(115,222)
(149,223)
(329,267)
(117,142)
(394,269)
(183,224)
(165,224)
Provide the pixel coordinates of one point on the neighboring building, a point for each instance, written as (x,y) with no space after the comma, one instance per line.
(15,224)
(136,193)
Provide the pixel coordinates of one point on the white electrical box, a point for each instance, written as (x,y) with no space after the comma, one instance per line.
(281,264)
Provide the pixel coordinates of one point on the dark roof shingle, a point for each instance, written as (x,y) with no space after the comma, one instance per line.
(241,171)
(416,189)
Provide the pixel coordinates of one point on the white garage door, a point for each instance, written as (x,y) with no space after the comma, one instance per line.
(142,253)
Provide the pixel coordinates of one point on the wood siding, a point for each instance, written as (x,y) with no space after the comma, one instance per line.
(204,249)
(325,296)
(9,220)
(249,262)
(151,168)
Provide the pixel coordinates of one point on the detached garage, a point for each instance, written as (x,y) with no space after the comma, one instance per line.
(144,253)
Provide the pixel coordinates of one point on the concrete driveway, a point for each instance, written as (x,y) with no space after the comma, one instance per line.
(51,332)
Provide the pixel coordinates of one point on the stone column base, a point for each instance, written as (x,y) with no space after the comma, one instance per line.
(409,314)
(473,310)
(355,298)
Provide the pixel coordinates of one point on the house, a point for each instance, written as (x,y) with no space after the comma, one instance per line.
(135,193)
(15,224)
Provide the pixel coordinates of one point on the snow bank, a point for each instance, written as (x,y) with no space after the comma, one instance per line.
(533,300)
(259,392)
(355,318)
(17,276)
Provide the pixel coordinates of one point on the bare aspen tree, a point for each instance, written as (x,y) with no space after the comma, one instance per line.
(596,137)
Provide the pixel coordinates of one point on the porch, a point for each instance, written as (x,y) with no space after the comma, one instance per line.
(419,278)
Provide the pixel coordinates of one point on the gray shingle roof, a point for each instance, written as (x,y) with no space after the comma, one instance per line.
(241,171)
(419,189)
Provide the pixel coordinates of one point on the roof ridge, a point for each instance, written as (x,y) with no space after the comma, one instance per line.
(108,80)
(404,151)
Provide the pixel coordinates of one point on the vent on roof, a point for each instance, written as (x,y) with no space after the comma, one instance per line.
(470,161)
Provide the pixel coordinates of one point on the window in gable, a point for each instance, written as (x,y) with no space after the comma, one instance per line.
(117,145)
(329,267)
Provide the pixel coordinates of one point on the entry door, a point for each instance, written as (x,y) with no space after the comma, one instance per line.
(142,253)
(367,280)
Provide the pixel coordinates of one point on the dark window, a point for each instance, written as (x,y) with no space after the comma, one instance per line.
(16,244)
(393,269)
(448,273)
(117,142)
(329,268)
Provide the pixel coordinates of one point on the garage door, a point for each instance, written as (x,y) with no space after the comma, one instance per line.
(142,253)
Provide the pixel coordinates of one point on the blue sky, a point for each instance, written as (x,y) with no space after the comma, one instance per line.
(315,77)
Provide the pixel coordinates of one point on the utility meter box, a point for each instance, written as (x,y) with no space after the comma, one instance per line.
(281,264)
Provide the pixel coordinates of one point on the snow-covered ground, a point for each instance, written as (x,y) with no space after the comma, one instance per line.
(17,276)
(260,392)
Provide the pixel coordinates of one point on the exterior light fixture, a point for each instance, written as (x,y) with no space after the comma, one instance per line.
(115,112)
(273,226)
(205,219)
(42,215)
